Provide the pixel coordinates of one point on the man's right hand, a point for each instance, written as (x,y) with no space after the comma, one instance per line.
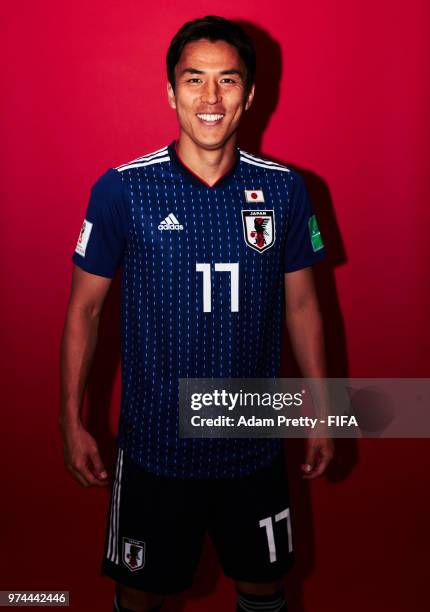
(82,457)
(78,343)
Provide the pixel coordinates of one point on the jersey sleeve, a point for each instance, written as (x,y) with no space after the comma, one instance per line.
(102,239)
(304,245)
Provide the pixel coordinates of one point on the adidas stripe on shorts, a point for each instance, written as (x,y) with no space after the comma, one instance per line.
(156,526)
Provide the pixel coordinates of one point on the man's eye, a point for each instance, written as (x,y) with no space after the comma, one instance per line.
(193,80)
(226,79)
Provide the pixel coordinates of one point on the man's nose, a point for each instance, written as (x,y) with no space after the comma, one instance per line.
(211,94)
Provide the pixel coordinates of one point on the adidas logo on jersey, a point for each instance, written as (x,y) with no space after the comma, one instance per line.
(170,223)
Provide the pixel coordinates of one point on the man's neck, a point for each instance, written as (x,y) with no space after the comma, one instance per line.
(209,165)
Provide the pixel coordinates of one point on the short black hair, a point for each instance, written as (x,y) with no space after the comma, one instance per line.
(213,28)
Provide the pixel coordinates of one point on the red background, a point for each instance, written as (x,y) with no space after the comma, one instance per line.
(343,95)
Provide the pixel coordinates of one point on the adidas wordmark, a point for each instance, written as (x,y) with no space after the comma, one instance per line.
(170,223)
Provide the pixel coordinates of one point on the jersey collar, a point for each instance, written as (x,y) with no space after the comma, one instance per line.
(196,180)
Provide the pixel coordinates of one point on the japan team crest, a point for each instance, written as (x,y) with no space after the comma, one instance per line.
(259,229)
(133,553)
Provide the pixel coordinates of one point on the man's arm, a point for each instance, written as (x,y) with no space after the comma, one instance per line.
(81,455)
(305,329)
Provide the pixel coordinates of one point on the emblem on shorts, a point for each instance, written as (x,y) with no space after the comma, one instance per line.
(133,553)
(259,229)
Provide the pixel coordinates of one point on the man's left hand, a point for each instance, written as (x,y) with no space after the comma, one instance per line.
(319,453)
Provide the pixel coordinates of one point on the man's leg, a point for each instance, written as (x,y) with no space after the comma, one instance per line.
(250,527)
(134,600)
(151,551)
(259,588)
(264,596)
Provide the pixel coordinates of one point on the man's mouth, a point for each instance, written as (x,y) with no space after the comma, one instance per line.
(210,118)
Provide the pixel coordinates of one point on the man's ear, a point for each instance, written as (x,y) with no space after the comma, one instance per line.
(171,95)
(250,97)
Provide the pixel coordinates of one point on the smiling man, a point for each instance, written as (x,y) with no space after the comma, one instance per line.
(216,247)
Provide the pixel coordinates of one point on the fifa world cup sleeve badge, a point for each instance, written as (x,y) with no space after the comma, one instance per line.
(84,236)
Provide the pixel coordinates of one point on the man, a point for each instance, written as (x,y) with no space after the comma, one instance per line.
(212,241)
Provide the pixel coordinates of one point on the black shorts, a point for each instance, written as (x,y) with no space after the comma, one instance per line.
(156,527)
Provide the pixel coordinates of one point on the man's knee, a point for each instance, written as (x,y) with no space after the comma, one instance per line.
(263,596)
(259,588)
(136,600)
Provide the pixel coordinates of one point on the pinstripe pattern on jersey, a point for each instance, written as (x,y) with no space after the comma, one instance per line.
(160,223)
(166,336)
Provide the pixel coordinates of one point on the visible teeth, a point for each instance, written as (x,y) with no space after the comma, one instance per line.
(211,117)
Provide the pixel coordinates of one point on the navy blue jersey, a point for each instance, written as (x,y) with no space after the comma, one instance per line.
(202,292)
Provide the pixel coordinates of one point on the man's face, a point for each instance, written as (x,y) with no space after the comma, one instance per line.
(209,95)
